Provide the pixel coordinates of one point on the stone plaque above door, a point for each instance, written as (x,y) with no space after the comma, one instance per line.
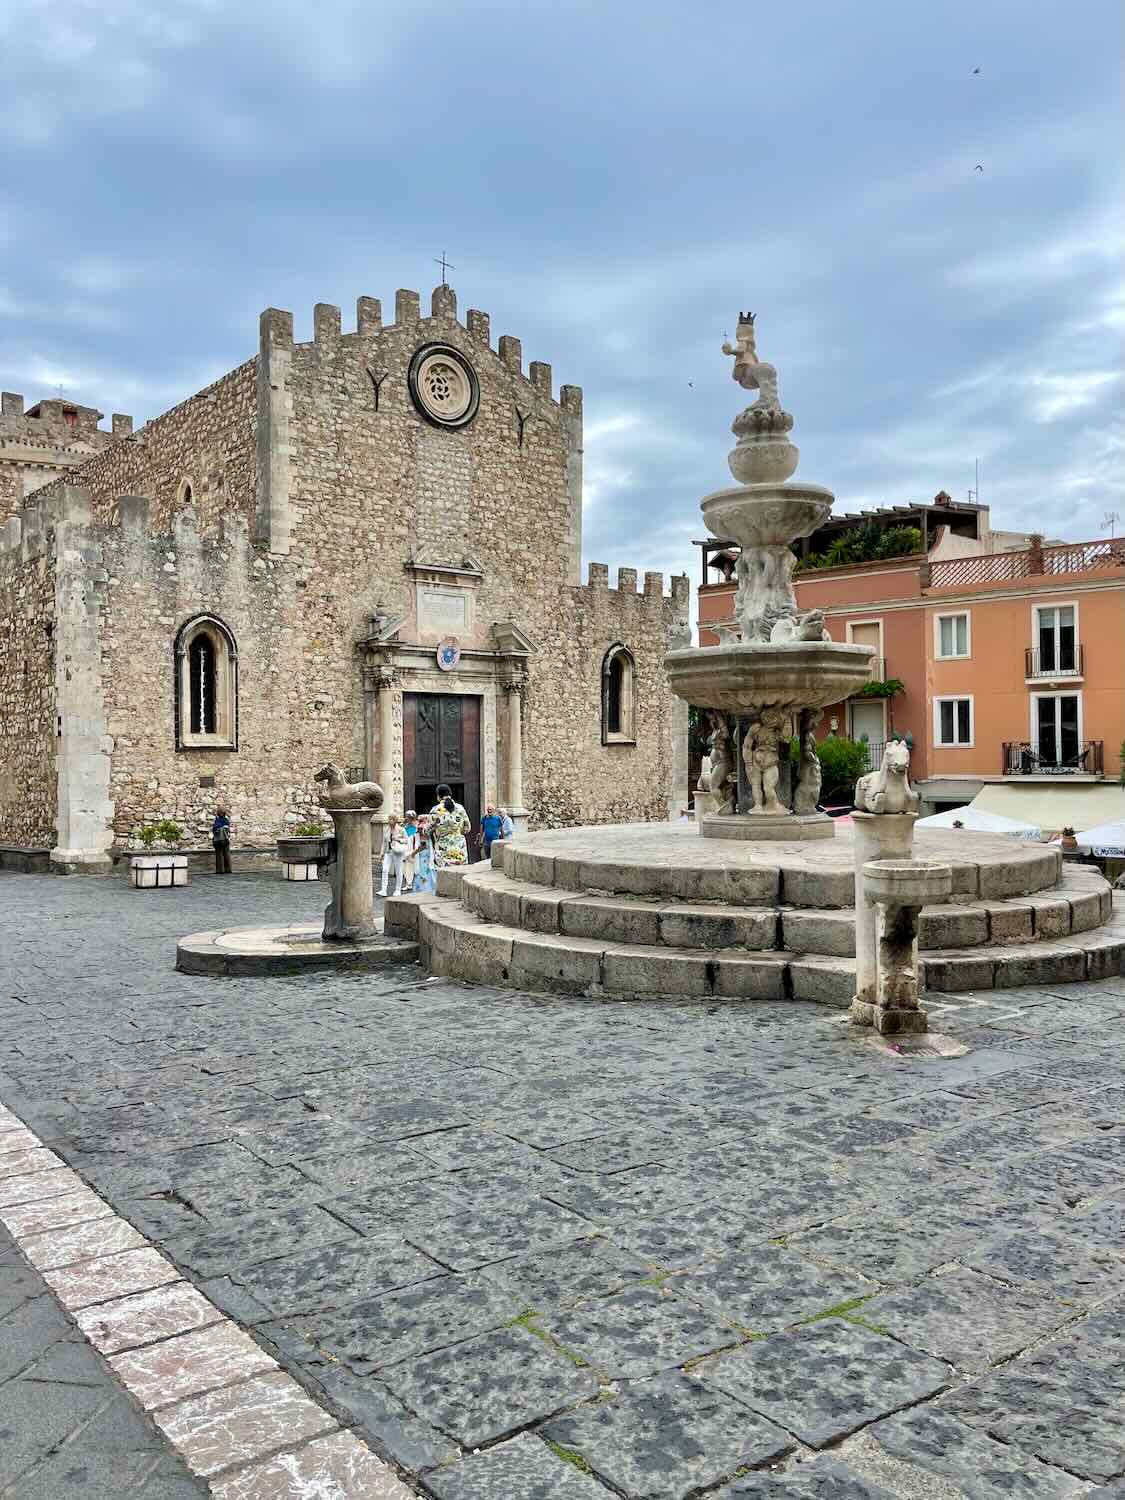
(444,610)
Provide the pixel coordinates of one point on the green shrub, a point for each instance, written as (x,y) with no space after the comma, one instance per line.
(163,832)
(308,830)
(867,543)
(842,763)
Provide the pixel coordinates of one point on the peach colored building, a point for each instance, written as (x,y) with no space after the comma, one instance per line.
(1011,660)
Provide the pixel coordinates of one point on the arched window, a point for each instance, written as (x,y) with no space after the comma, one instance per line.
(206,686)
(618,697)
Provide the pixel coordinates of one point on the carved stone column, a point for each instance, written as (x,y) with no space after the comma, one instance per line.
(386,678)
(515,686)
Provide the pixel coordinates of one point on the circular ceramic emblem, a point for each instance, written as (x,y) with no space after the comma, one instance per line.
(443,385)
(448,654)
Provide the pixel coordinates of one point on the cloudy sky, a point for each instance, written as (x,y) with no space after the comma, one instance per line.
(612,183)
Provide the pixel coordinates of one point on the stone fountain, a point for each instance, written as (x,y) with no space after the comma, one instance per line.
(776,666)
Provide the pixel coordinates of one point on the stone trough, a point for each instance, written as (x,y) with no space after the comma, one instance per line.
(645,909)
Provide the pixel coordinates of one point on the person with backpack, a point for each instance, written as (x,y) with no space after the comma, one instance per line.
(220,841)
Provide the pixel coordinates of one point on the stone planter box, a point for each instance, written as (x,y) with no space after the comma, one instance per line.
(299,870)
(149,872)
(304,850)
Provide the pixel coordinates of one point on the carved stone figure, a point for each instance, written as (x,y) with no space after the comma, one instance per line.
(760,756)
(888,789)
(347,796)
(800,627)
(704,782)
(807,796)
(752,373)
(765,590)
(722,765)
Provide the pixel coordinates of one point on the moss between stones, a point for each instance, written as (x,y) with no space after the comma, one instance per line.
(845,1310)
(569,1456)
(526,1321)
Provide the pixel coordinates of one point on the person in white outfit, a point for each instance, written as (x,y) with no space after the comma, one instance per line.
(394,854)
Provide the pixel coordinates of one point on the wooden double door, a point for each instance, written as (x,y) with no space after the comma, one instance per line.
(441,745)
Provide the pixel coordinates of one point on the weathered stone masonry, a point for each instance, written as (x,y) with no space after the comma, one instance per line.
(339,535)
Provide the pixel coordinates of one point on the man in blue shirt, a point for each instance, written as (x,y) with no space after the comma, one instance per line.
(490,828)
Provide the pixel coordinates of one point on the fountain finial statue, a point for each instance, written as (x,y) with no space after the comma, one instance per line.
(749,371)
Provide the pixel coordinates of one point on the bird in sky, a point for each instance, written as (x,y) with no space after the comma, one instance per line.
(979,168)
(976,70)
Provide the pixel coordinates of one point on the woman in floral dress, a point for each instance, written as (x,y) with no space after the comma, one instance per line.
(425,875)
(450,824)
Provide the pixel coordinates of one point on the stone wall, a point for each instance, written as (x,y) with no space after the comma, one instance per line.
(46,443)
(571,776)
(27,689)
(206,445)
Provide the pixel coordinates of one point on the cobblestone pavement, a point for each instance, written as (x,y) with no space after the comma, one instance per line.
(652,1250)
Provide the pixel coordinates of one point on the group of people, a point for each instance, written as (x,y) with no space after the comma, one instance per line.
(416,848)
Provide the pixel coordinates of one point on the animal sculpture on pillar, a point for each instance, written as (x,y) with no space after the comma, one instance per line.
(888,789)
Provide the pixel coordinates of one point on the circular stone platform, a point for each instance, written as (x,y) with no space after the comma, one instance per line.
(672,860)
(294,948)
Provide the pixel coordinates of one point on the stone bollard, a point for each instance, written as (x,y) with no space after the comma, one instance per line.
(895,891)
(350,915)
(877,836)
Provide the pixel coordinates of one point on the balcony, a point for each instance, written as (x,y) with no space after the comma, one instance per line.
(876,672)
(1066,663)
(1023,758)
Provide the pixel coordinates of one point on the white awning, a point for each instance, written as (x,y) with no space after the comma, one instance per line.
(1052,807)
(976,820)
(1106,841)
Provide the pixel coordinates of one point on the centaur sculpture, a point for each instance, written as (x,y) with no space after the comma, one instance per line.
(752,373)
(347,796)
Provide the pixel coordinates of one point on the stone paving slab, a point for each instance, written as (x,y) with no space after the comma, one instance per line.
(826,1380)
(666,1438)
(665,1181)
(67,1431)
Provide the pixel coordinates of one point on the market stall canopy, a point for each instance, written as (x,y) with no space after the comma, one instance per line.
(977,820)
(1106,841)
(1053,807)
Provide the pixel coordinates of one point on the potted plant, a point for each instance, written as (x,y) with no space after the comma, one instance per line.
(1067,839)
(302,849)
(151,871)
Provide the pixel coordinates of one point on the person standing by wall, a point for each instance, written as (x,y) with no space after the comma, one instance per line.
(491,828)
(507,827)
(220,841)
(410,832)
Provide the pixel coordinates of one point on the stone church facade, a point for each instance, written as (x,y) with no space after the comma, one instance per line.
(362,549)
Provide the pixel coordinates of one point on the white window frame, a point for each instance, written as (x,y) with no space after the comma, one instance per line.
(969,744)
(882,702)
(954,614)
(880,653)
(1033,714)
(1059,673)
(222,640)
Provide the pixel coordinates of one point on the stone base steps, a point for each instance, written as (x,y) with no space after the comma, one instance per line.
(458,942)
(1081,902)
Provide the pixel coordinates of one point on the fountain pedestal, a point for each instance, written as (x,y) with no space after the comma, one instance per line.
(894,893)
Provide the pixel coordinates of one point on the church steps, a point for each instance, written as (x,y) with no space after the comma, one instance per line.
(460,943)
(1079,904)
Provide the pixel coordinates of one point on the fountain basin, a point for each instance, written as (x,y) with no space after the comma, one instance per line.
(766,515)
(788,674)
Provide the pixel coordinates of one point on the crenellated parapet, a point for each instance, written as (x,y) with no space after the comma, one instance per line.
(46,442)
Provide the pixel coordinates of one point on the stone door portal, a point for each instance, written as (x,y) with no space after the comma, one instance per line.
(441,743)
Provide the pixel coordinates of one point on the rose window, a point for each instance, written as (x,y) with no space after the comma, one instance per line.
(443,386)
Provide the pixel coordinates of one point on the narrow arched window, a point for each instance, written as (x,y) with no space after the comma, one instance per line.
(201,665)
(618,696)
(206,686)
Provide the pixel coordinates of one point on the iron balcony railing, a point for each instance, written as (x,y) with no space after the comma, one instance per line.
(875,754)
(1002,567)
(1063,661)
(1024,758)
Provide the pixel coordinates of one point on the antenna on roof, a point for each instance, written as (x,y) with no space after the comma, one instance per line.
(1111,519)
